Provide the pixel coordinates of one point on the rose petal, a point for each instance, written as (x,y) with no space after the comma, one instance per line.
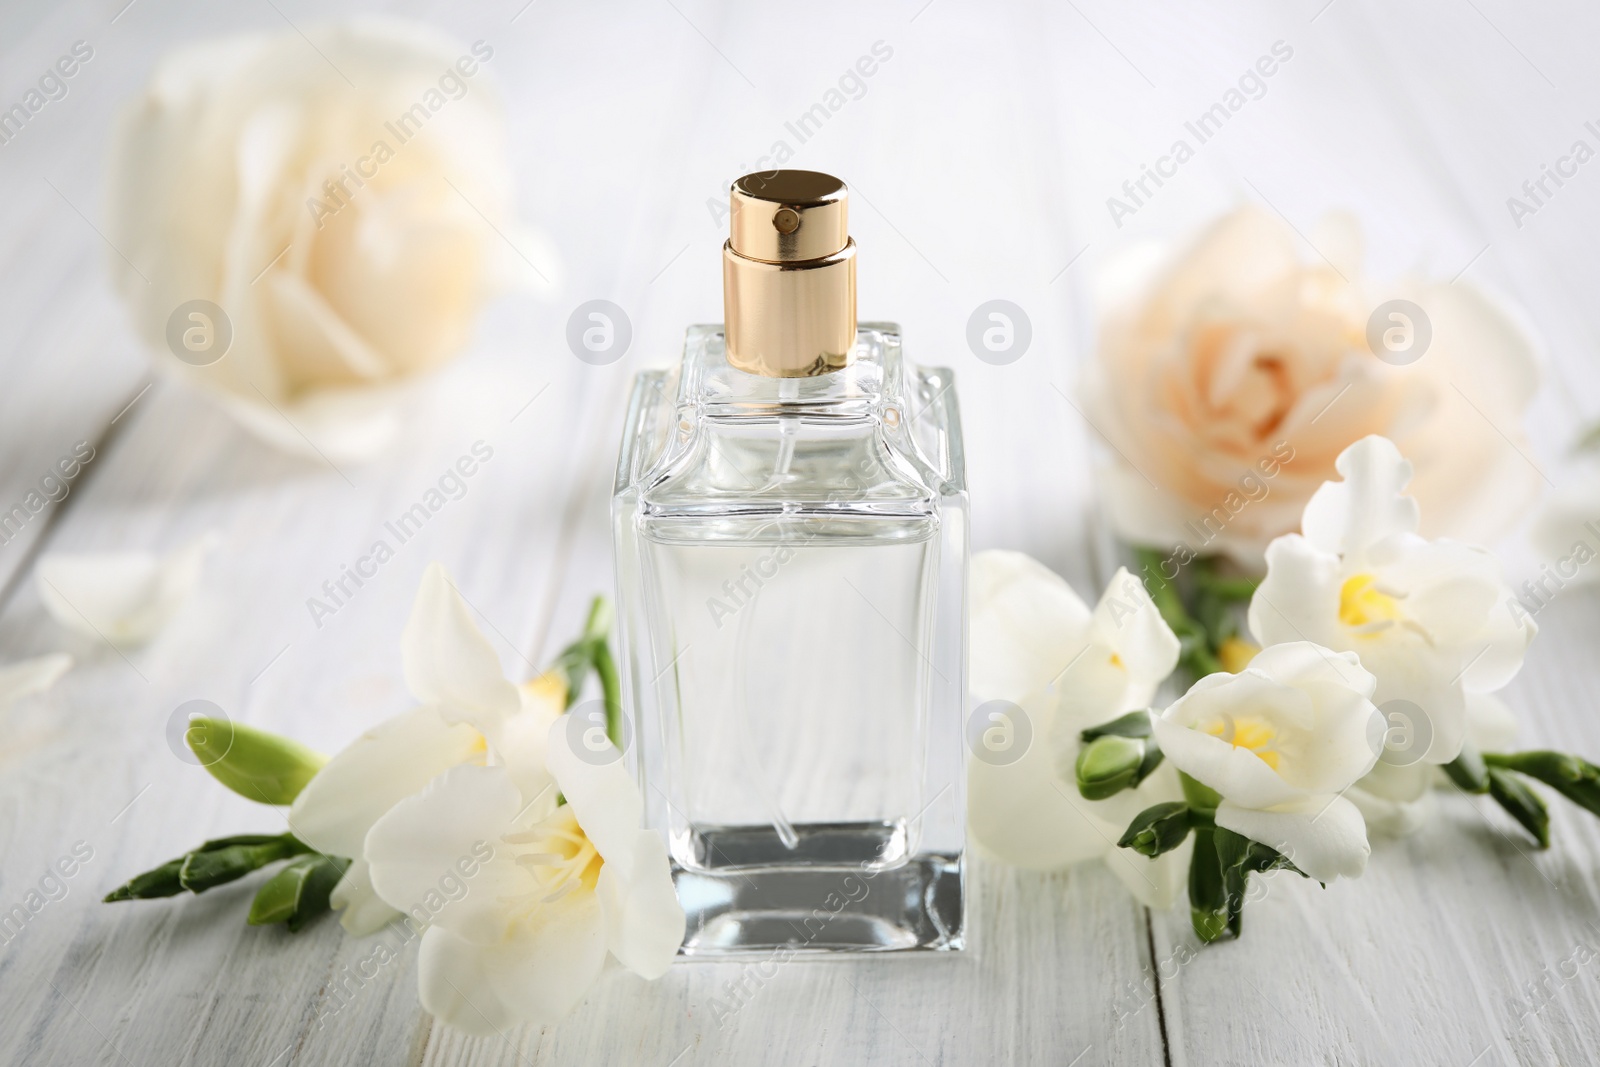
(120,597)
(28,677)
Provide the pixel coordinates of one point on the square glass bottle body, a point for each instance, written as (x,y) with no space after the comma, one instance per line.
(791,566)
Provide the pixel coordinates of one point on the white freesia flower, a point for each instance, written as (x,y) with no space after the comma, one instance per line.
(325,192)
(453,813)
(1431,620)
(1566,536)
(1279,742)
(1398,798)
(1229,375)
(120,597)
(28,677)
(453,670)
(557,888)
(1036,645)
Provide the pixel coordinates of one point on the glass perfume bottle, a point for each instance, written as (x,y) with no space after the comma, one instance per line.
(790,517)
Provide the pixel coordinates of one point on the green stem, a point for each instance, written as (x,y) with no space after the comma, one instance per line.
(610,689)
(1161,589)
(1197,656)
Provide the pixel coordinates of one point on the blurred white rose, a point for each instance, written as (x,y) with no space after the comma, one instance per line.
(1229,377)
(336,197)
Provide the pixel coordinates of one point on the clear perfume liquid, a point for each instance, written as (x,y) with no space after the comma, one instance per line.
(791,563)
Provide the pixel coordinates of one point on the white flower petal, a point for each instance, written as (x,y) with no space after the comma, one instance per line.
(373,773)
(1368,507)
(1156,883)
(537,973)
(602,794)
(361,910)
(1401,783)
(1491,727)
(1127,622)
(28,677)
(1298,600)
(441,850)
(1026,816)
(1232,771)
(1325,837)
(644,921)
(1027,624)
(120,597)
(450,663)
(1393,818)
(1304,663)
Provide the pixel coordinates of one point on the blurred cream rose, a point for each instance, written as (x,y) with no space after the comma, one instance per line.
(326,195)
(1230,376)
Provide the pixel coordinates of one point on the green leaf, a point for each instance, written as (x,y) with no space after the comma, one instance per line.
(1589,439)
(1152,759)
(1513,794)
(209,867)
(1236,589)
(1133,724)
(298,893)
(1157,829)
(1239,857)
(257,765)
(1468,771)
(1573,777)
(1208,905)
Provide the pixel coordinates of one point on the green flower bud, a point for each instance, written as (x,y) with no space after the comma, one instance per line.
(160,881)
(1157,829)
(1133,724)
(217,862)
(255,764)
(1107,765)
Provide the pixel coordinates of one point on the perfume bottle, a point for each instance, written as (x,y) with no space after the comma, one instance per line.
(790,521)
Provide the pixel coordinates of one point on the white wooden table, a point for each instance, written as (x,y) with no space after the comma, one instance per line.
(981,156)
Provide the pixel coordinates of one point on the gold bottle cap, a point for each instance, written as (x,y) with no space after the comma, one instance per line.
(789,275)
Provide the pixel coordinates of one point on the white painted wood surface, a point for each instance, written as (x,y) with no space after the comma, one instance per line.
(981,156)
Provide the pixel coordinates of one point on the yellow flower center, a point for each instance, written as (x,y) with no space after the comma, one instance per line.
(560,857)
(1251,734)
(1361,603)
(1236,654)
